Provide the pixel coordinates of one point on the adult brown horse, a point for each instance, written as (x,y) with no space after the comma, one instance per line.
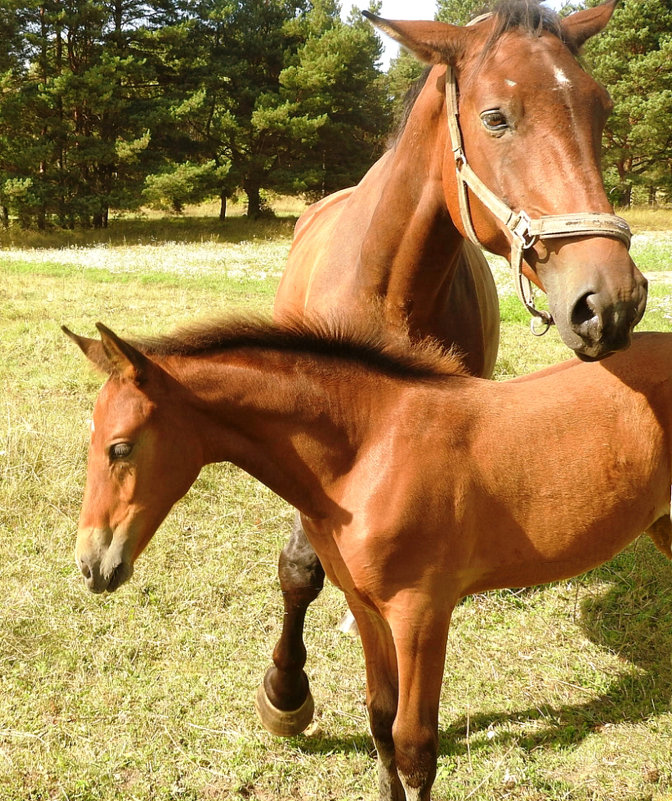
(515,167)
(502,145)
(416,482)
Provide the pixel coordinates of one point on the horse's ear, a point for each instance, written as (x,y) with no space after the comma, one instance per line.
(581,25)
(92,349)
(127,362)
(431,42)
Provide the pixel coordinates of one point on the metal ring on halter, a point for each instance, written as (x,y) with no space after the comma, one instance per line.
(546,321)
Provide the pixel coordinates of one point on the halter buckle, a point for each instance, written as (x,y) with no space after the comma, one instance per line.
(520,227)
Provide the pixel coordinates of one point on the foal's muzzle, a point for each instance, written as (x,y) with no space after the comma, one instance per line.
(102,561)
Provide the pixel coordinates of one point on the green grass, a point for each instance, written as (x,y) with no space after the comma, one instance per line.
(558,693)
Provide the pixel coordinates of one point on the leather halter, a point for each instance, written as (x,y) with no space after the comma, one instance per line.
(525,232)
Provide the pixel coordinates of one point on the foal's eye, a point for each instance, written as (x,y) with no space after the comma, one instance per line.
(120,450)
(494,120)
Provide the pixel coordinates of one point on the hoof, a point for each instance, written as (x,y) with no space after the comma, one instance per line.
(280,723)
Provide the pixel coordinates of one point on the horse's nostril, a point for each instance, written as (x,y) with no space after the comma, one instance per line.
(584,312)
(86,570)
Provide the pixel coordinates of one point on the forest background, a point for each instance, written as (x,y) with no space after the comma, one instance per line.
(107,106)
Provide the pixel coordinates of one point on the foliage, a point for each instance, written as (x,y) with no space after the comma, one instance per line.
(288,96)
(633,59)
(403,73)
(458,12)
(73,110)
(253,94)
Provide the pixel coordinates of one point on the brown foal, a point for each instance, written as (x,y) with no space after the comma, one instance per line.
(415,482)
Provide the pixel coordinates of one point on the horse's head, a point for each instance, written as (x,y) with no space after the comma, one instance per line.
(530,121)
(138,464)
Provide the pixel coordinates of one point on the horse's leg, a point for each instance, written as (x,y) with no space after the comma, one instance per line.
(284,702)
(381,697)
(420,635)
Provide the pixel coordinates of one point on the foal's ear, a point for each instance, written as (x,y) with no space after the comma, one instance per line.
(581,25)
(92,349)
(111,354)
(125,360)
(431,42)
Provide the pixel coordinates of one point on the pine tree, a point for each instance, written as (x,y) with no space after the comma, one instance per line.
(458,12)
(287,99)
(633,59)
(333,101)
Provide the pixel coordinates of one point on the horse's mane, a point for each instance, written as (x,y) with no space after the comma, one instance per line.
(526,15)
(369,344)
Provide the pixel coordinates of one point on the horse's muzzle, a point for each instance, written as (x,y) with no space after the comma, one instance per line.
(102,562)
(600,325)
(595,302)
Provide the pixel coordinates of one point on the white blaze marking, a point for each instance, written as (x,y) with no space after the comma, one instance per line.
(510,82)
(560,76)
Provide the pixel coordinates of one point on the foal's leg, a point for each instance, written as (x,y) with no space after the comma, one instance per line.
(420,636)
(284,702)
(381,697)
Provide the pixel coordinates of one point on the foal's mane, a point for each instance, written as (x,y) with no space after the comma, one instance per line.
(368,345)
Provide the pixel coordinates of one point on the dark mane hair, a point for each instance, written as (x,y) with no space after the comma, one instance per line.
(527,15)
(369,345)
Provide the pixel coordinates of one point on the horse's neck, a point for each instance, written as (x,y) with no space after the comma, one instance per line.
(411,240)
(278,418)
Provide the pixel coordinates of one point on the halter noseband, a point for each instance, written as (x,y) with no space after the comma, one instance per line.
(525,232)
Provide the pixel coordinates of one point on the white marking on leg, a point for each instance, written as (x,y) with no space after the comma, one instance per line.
(412,793)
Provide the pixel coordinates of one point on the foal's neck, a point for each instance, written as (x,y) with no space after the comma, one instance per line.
(280,417)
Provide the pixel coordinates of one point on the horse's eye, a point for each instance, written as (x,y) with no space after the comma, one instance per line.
(494,120)
(120,450)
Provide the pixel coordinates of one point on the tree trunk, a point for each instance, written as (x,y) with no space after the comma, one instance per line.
(253,192)
(222,207)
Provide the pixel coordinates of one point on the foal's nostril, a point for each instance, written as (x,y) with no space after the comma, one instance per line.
(86,570)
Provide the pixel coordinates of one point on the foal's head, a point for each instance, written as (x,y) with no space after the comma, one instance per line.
(154,422)
(142,459)
(531,122)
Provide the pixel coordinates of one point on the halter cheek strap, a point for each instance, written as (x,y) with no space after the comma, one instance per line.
(524,231)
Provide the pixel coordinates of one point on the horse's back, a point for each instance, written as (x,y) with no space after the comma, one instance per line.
(309,252)
(341,264)
(320,274)
(473,305)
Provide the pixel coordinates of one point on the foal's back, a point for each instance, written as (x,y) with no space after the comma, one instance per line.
(561,471)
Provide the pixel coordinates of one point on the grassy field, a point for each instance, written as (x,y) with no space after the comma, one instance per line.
(561,692)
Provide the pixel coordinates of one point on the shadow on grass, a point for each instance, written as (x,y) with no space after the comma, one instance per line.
(633,619)
(141,231)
